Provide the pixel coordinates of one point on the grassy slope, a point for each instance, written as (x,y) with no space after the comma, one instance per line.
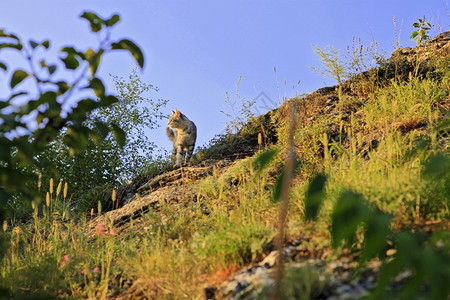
(372,135)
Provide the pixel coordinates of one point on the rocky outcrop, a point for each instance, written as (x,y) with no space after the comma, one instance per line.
(438,46)
(337,278)
(174,187)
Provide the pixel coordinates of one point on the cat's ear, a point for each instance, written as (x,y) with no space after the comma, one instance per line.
(177,112)
(173,112)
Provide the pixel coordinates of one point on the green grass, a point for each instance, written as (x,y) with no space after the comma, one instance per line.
(403,105)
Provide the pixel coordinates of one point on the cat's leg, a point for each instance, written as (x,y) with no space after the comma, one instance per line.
(174,151)
(182,157)
(178,161)
(189,152)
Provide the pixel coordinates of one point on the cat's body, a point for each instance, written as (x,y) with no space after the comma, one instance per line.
(183,137)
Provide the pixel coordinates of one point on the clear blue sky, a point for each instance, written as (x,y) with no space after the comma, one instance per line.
(195,51)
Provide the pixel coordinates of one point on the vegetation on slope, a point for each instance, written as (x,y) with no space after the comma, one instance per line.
(380,143)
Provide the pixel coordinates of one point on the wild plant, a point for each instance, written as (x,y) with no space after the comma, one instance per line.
(396,34)
(240,111)
(404,105)
(420,36)
(334,65)
(43,110)
(363,58)
(48,255)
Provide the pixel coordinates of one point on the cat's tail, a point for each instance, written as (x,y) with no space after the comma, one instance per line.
(170,134)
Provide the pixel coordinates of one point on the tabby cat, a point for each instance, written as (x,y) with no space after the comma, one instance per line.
(183,137)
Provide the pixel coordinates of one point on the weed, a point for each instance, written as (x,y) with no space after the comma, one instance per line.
(404,105)
(335,67)
(420,36)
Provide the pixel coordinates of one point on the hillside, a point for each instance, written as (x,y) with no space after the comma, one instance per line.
(380,144)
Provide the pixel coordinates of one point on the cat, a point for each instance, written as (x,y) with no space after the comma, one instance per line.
(183,137)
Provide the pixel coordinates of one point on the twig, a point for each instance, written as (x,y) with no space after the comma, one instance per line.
(284,196)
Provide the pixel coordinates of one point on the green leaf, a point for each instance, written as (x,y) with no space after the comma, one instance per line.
(102,128)
(69,50)
(265,158)
(71,62)
(17,46)
(94,60)
(86,105)
(414,34)
(348,214)
(112,21)
(54,108)
(278,186)
(375,235)
(51,69)
(4,104)
(93,66)
(3,66)
(25,150)
(97,86)
(8,35)
(46,44)
(5,146)
(436,170)
(18,77)
(89,54)
(48,97)
(315,196)
(76,139)
(31,105)
(132,48)
(95,21)
(107,101)
(73,51)
(119,134)
(16,95)
(33,44)
(62,86)
(279,183)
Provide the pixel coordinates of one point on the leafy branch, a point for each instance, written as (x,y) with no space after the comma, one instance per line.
(420,36)
(30,120)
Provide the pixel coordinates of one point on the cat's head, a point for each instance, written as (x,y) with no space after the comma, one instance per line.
(176,119)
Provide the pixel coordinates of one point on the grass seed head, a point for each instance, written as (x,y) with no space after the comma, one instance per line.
(47,199)
(17,230)
(65,190)
(51,185)
(39,181)
(58,189)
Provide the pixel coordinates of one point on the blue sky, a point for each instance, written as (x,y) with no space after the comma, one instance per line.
(196,51)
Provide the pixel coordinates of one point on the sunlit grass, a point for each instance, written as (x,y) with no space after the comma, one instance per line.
(381,153)
(404,105)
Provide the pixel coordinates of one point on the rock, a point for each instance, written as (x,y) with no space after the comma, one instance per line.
(270,260)
(210,292)
(343,289)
